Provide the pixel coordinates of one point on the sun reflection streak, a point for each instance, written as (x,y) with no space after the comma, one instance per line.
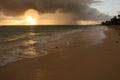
(30,51)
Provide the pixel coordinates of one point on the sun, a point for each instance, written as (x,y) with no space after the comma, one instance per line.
(30,20)
(31,17)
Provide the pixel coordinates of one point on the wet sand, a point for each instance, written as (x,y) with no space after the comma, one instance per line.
(73,62)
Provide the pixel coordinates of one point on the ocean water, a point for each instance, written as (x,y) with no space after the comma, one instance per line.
(18,42)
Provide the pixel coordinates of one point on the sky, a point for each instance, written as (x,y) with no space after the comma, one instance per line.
(67,12)
(109,7)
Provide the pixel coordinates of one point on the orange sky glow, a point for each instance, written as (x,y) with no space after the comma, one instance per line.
(32,17)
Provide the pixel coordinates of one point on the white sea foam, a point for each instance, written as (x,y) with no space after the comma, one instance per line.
(34,46)
(31,48)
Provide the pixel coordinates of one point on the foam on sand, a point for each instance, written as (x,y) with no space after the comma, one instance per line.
(35,45)
(30,48)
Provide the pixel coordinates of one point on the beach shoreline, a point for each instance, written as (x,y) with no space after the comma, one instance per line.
(71,61)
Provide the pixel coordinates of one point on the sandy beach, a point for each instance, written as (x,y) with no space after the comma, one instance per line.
(71,60)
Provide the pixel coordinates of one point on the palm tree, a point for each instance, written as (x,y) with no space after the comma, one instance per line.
(119,16)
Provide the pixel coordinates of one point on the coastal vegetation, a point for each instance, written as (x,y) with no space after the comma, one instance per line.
(114,21)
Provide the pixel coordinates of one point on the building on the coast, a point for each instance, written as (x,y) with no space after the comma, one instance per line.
(114,21)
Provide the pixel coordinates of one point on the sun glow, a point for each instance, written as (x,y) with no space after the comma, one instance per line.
(88,22)
(31,17)
(30,20)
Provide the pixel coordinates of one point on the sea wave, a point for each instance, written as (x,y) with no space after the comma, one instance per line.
(30,46)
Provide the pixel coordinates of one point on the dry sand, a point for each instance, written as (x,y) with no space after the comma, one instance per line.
(73,62)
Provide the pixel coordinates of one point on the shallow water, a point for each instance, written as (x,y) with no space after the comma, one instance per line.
(20,42)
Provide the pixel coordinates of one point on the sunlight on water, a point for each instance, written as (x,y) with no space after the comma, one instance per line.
(28,42)
(32,34)
(30,51)
(31,44)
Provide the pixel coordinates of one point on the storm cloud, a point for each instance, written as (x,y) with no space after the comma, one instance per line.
(80,9)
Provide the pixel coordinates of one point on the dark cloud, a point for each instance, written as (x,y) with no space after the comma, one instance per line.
(80,8)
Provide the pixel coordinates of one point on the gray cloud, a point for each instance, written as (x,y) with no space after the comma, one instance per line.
(80,8)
